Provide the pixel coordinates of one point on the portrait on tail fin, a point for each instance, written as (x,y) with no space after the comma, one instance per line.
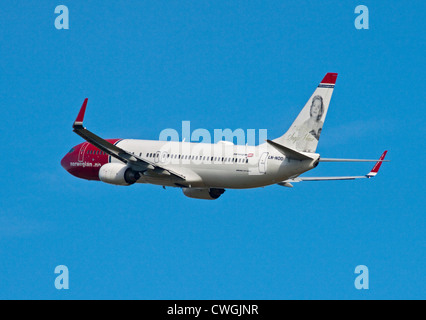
(310,130)
(314,122)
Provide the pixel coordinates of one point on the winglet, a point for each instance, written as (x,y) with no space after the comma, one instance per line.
(79,120)
(376,167)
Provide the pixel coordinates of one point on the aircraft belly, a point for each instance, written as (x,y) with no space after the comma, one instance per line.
(233,179)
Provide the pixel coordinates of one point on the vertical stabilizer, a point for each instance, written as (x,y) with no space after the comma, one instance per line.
(305,131)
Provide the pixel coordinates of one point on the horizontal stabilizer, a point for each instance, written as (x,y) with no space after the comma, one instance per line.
(289,153)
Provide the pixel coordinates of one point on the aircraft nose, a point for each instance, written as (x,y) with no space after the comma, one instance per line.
(65,163)
(68,158)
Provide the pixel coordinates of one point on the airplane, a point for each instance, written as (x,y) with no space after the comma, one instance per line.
(203,170)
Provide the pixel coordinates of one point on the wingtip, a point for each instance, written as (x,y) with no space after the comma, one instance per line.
(80,117)
(376,167)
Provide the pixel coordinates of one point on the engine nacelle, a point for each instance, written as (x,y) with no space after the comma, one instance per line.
(118,174)
(206,193)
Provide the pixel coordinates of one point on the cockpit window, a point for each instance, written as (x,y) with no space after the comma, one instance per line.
(72,150)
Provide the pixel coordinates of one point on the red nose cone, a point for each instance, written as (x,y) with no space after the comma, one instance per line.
(84,161)
(65,163)
(68,159)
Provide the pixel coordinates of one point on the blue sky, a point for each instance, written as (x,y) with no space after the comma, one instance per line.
(149,65)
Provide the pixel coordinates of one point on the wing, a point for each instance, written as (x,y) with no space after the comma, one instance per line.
(349,160)
(136,162)
(372,173)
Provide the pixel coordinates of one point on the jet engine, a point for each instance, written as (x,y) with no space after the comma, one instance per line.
(118,174)
(206,193)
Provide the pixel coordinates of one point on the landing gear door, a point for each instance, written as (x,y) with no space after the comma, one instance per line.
(263,162)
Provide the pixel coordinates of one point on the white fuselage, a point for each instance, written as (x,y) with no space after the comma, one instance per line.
(220,165)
